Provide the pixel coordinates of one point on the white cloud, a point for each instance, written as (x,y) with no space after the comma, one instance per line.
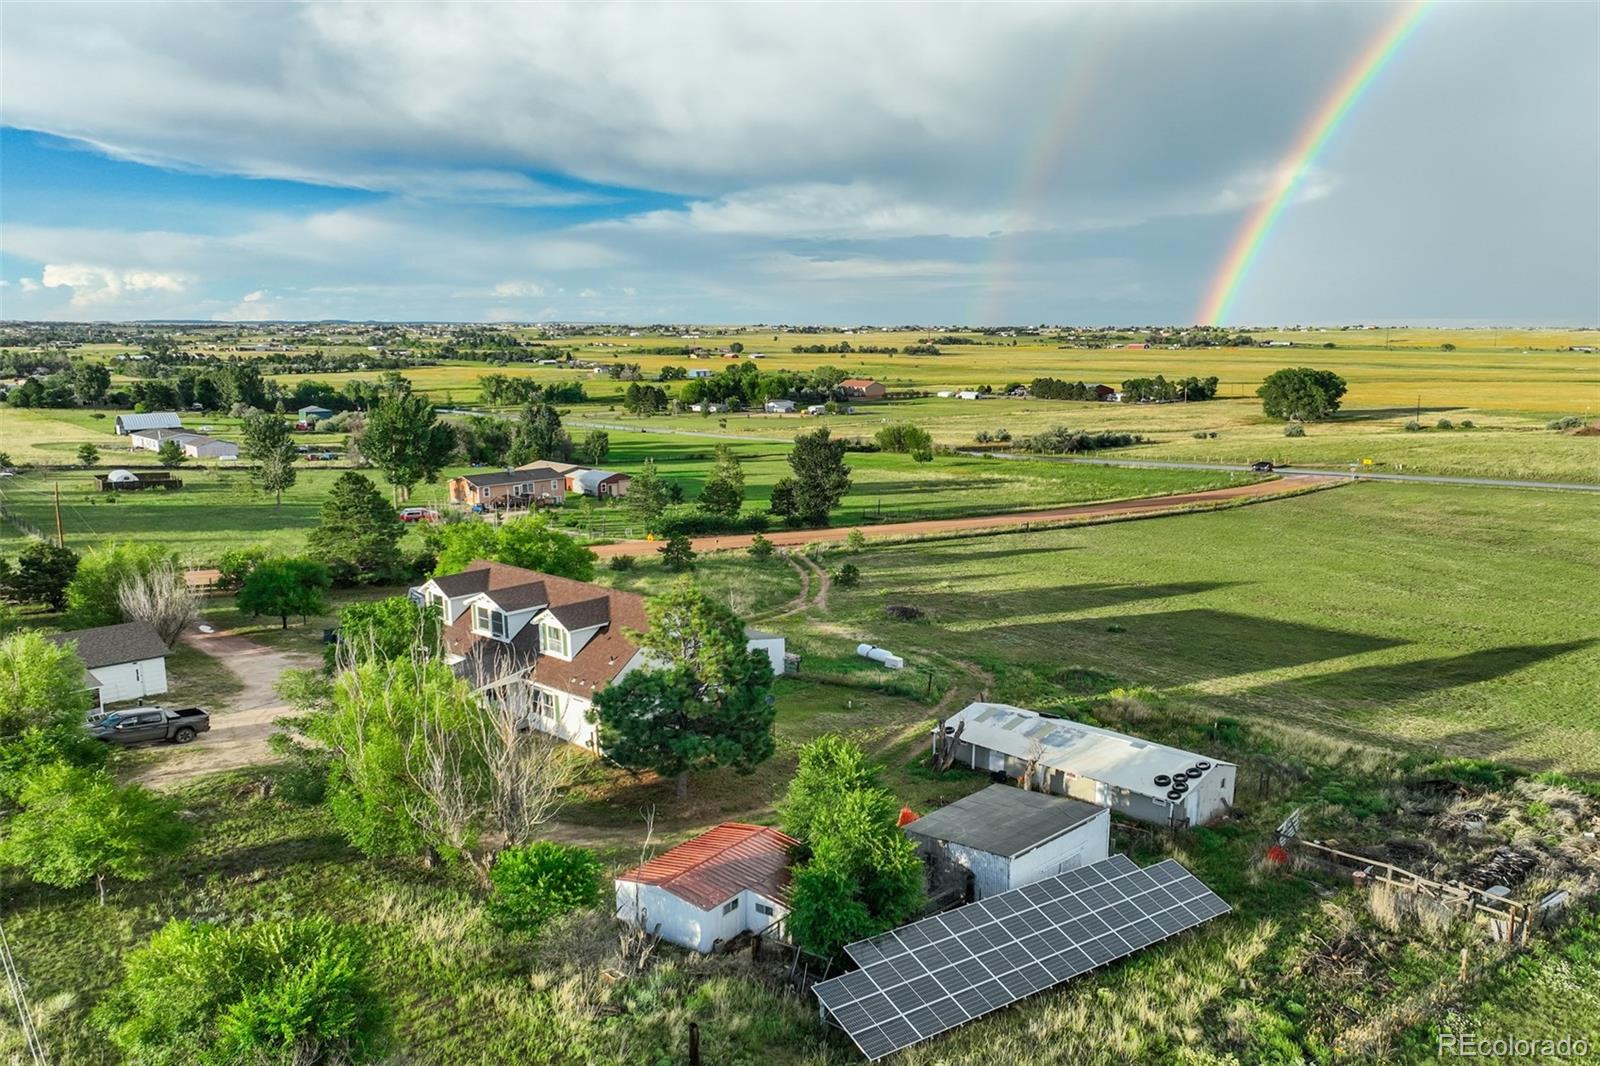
(252,307)
(98,285)
(526,289)
(28,284)
(862,268)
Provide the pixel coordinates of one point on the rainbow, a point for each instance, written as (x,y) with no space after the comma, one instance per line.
(1313,138)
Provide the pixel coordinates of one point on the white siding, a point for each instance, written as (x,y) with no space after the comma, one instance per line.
(773,646)
(686,925)
(991,874)
(569,720)
(131,681)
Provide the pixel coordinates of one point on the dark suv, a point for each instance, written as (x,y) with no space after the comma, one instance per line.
(1262,466)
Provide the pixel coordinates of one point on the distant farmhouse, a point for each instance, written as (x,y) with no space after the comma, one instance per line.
(863,388)
(532,486)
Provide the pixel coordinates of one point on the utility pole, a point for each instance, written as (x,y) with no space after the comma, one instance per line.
(61,537)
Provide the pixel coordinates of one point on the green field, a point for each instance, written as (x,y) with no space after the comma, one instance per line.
(220,508)
(1457,619)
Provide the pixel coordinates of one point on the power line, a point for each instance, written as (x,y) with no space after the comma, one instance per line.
(19,996)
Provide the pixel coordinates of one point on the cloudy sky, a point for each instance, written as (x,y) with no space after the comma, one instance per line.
(792,163)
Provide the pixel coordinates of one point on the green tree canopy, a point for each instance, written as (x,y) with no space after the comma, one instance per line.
(90,382)
(830,766)
(723,492)
(648,497)
(88,454)
(78,825)
(530,541)
(820,480)
(541,881)
(42,704)
(92,595)
(42,574)
(358,534)
(903,437)
(268,443)
(703,702)
(595,447)
(539,436)
(294,991)
(1301,394)
(170,454)
(405,439)
(391,628)
(283,586)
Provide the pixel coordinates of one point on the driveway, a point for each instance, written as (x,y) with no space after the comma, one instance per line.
(239,732)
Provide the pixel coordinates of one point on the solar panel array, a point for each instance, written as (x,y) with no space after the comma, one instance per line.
(933,975)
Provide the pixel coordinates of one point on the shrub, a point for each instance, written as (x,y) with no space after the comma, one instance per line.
(902,612)
(1002,435)
(293,991)
(1467,423)
(1444,423)
(235,566)
(1412,425)
(1199,435)
(760,547)
(856,540)
(1565,422)
(621,563)
(983,437)
(848,576)
(905,437)
(677,553)
(541,881)
(922,455)
(1294,429)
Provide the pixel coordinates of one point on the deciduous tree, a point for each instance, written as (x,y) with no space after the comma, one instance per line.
(820,479)
(723,492)
(404,439)
(267,441)
(1301,394)
(530,541)
(162,597)
(93,597)
(285,586)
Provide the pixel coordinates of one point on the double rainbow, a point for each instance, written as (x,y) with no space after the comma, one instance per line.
(1313,138)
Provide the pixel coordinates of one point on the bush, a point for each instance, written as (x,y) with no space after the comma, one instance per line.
(677,553)
(905,437)
(1060,440)
(235,566)
(761,547)
(621,563)
(1467,423)
(542,881)
(922,455)
(1565,422)
(1294,429)
(1412,425)
(848,576)
(855,541)
(902,612)
(1199,435)
(286,992)
(1444,423)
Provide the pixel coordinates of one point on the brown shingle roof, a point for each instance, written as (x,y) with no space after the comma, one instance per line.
(595,665)
(720,863)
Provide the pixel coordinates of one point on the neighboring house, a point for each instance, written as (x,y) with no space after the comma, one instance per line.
(970,394)
(313,413)
(1137,347)
(864,388)
(150,440)
(945,394)
(1004,838)
(511,489)
(709,408)
(697,373)
(126,424)
(816,409)
(127,661)
(779,407)
(1139,778)
(561,640)
(701,894)
(602,484)
(1105,393)
(197,446)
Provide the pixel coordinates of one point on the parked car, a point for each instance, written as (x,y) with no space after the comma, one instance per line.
(139,724)
(1262,466)
(418,514)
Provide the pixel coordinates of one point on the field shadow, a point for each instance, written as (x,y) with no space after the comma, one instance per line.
(868,489)
(1392,682)
(1063,599)
(1376,414)
(1014,553)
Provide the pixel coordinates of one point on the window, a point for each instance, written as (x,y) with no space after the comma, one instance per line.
(765,910)
(731,906)
(544,702)
(488,621)
(554,639)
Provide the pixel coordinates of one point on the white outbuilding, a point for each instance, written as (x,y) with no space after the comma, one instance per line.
(1004,837)
(1139,778)
(127,661)
(772,644)
(701,894)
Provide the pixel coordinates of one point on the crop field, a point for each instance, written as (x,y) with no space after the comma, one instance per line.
(1454,619)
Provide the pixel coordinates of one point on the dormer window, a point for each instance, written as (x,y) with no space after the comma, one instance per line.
(554,640)
(488,622)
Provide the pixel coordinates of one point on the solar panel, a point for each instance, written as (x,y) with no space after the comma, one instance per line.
(928,977)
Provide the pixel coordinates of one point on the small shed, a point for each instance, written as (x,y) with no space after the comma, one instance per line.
(127,661)
(771,643)
(1004,838)
(1139,778)
(313,413)
(779,407)
(701,894)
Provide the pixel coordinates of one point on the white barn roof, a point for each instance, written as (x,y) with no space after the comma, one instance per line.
(152,420)
(1084,750)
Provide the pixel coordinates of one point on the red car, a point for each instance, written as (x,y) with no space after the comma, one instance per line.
(418,514)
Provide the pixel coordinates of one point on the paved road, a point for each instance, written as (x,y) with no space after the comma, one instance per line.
(1298,471)
(978,523)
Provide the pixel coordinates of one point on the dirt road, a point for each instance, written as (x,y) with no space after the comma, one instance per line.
(239,732)
(1012,520)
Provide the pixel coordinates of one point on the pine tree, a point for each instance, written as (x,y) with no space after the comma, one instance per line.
(358,533)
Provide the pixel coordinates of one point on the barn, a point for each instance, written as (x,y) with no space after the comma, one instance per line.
(1135,777)
(1004,837)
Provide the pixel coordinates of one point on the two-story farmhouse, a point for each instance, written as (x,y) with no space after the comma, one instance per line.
(559,640)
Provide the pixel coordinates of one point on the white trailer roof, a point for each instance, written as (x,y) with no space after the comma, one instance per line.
(1088,751)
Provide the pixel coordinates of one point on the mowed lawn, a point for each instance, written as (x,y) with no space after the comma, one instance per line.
(1450,618)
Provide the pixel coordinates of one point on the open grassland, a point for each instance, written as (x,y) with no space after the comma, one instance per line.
(221,508)
(1453,619)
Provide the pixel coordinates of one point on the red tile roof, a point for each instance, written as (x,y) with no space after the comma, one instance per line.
(856,383)
(720,863)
